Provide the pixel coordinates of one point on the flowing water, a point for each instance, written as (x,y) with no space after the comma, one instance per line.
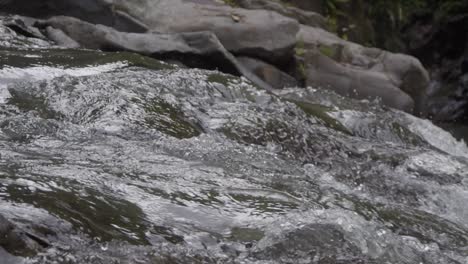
(118,158)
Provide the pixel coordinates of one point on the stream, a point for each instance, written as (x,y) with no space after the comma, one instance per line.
(120,158)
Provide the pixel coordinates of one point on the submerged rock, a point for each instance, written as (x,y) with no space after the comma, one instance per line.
(17,242)
(164,164)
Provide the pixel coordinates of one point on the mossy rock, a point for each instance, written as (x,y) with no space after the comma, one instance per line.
(406,135)
(169,120)
(321,112)
(427,227)
(246,234)
(335,52)
(67,58)
(99,216)
(26,102)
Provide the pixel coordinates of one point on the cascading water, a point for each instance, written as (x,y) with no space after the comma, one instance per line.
(117,158)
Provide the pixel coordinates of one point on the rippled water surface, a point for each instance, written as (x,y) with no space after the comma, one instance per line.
(116,158)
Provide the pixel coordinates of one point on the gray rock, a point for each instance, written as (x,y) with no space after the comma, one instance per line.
(59,37)
(268,73)
(15,241)
(353,70)
(247,32)
(324,72)
(324,243)
(94,11)
(195,49)
(259,33)
(7,258)
(304,17)
(23,26)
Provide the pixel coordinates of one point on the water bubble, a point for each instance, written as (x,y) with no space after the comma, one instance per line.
(104,246)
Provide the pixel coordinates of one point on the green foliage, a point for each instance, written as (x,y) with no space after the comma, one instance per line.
(299,50)
(379,22)
(331,7)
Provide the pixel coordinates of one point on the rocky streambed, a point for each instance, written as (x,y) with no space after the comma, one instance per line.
(120,158)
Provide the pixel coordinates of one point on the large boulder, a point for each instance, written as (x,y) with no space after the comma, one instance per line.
(354,70)
(195,49)
(17,242)
(94,11)
(258,33)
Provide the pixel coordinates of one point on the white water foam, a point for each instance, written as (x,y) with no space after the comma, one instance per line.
(9,75)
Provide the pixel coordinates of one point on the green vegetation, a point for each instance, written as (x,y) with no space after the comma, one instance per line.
(300,52)
(331,7)
(379,22)
(399,10)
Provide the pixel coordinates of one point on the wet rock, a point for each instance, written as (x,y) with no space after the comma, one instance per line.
(314,243)
(16,241)
(23,26)
(254,32)
(9,38)
(195,49)
(268,73)
(94,11)
(304,17)
(59,37)
(280,187)
(259,33)
(131,160)
(353,70)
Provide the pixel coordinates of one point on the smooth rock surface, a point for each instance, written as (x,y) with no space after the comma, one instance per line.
(258,33)
(93,11)
(268,73)
(261,33)
(354,70)
(195,49)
